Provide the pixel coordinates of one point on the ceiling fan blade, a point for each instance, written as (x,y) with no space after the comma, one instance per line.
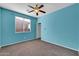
(42,11)
(30,6)
(37,14)
(30,11)
(41,6)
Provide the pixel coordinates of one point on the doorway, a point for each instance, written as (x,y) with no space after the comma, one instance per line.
(38,31)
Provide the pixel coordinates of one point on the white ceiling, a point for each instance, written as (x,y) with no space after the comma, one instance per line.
(23,8)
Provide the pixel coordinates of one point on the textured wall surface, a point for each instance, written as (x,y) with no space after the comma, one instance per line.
(62,27)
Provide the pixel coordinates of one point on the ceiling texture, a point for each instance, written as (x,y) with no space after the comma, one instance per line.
(24,9)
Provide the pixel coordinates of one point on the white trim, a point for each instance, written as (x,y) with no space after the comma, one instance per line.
(60,45)
(16,42)
(15,26)
(36,29)
(0,46)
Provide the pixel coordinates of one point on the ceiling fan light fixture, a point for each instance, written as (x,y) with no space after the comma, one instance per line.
(37,9)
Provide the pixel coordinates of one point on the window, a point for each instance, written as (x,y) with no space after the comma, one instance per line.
(22,24)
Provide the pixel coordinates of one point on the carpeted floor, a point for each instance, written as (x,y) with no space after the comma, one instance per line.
(36,48)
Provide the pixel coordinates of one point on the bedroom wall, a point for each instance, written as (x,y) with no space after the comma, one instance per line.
(62,27)
(0,27)
(9,36)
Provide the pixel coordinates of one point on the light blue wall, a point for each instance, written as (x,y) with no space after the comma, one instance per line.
(62,27)
(78,30)
(0,27)
(8,28)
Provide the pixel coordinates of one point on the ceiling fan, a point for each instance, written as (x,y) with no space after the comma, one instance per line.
(36,9)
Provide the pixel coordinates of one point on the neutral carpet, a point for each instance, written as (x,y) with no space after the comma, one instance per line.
(36,48)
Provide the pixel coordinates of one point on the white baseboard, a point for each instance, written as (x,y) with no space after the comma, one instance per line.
(0,46)
(16,42)
(60,45)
